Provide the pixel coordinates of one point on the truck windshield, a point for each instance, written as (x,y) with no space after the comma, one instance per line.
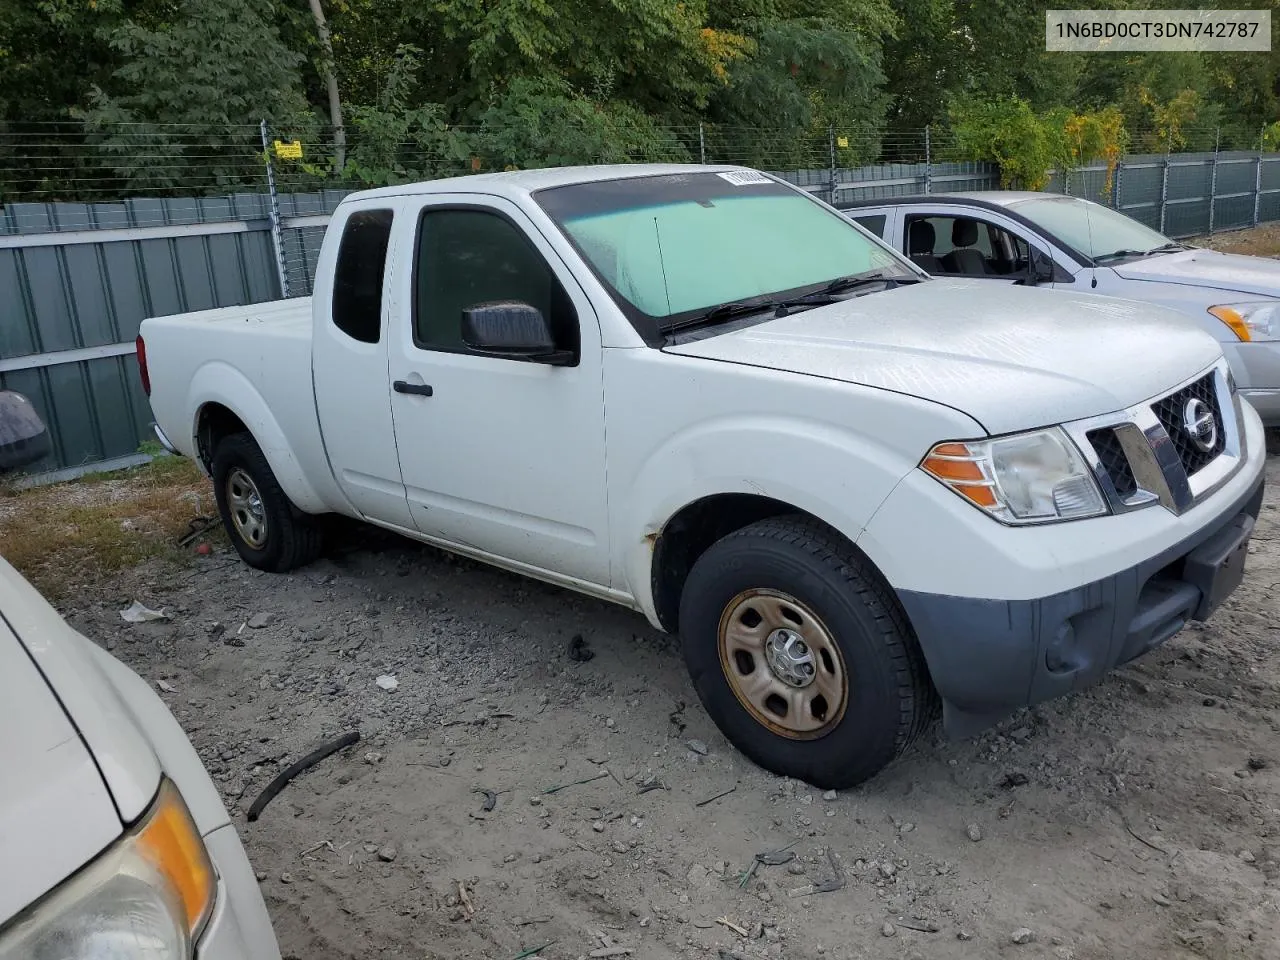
(1098,232)
(672,249)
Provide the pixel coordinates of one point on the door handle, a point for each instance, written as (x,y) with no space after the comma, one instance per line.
(418,389)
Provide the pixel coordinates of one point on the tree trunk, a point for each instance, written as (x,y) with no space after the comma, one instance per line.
(330,77)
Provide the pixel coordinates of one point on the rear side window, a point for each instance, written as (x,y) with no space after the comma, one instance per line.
(873,224)
(357,278)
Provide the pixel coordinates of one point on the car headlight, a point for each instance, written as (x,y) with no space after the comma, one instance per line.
(1025,478)
(1251,321)
(146,898)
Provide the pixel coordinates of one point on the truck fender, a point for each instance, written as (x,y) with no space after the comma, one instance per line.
(219,382)
(835,475)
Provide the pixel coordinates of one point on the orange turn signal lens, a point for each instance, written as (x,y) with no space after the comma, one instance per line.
(1233,320)
(956,466)
(170,841)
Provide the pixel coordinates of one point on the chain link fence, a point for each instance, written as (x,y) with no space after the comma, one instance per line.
(102,227)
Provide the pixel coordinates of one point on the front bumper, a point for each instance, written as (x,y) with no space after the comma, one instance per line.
(239,928)
(990,657)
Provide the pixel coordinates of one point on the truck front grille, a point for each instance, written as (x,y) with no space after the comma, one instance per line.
(1114,461)
(1175,449)
(1171,410)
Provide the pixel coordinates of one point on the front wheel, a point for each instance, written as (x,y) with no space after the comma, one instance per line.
(801,655)
(266,529)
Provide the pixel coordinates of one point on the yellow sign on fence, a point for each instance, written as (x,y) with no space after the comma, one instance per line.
(289,151)
(842,141)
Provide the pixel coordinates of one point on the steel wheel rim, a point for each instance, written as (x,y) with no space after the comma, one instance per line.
(244,503)
(782,664)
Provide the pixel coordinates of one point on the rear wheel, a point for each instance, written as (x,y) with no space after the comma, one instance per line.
(802,655)
(266,529)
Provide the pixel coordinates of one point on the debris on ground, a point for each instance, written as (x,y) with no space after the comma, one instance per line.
(579,652)
(138,612)
(698,747)
(973,832)
(1022,935)
(387,682)
(715,797)
(310,760)
(576,783)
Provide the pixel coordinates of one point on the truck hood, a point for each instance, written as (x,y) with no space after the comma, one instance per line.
(55,812)
(1013,358)
(1231,272)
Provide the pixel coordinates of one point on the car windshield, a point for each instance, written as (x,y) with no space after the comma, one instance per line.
(673,248)
(1098,232)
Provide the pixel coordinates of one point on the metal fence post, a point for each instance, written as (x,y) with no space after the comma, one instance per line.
(928,162)
(831,154)
(1257,176)
(1115,184)
(273,210)
(1164,183)
(702,144)
(1213,177)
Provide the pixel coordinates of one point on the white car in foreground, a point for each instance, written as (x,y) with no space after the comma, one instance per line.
(1084,247)
(114,843)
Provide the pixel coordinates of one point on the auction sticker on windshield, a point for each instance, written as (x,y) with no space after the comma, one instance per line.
(744,178)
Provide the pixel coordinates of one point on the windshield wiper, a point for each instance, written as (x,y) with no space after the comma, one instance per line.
(1119,255)
(1169,247)
(741,308)
(853,281)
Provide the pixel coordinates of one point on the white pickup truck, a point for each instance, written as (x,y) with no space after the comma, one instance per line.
(855,491)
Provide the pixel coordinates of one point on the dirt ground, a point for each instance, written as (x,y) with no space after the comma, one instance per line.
(1138,820)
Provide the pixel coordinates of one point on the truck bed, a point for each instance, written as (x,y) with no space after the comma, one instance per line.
(256,361)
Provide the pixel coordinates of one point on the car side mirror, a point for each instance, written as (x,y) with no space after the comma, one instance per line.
(511,329)
(23,437)
(1040,268)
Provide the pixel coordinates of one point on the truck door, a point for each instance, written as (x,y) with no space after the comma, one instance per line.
(349,363)
(501,457)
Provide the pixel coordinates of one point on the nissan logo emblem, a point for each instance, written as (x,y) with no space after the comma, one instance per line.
(1200,425)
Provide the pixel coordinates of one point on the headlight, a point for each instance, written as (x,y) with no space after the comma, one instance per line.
(146,898)
(1251,321)
(1026,478)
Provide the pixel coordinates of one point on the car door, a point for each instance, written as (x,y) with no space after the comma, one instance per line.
(349,362)
(965,242)
(500,457)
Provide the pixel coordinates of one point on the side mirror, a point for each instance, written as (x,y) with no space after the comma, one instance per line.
(511,329)
(1041,269)
(23,438)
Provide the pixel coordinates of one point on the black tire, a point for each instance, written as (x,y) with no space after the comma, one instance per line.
(890,697)
(292,538)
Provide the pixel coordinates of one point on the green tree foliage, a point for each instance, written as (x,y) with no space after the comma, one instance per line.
(195,85)
(442,86)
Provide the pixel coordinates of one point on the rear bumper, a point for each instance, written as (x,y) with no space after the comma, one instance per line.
(990,657)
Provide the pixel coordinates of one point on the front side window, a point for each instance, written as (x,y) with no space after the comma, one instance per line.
(672,247)
(964,246)
(357,276)
(468,256)
(1097,232)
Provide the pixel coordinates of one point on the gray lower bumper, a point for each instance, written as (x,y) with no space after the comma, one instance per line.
(987,658)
